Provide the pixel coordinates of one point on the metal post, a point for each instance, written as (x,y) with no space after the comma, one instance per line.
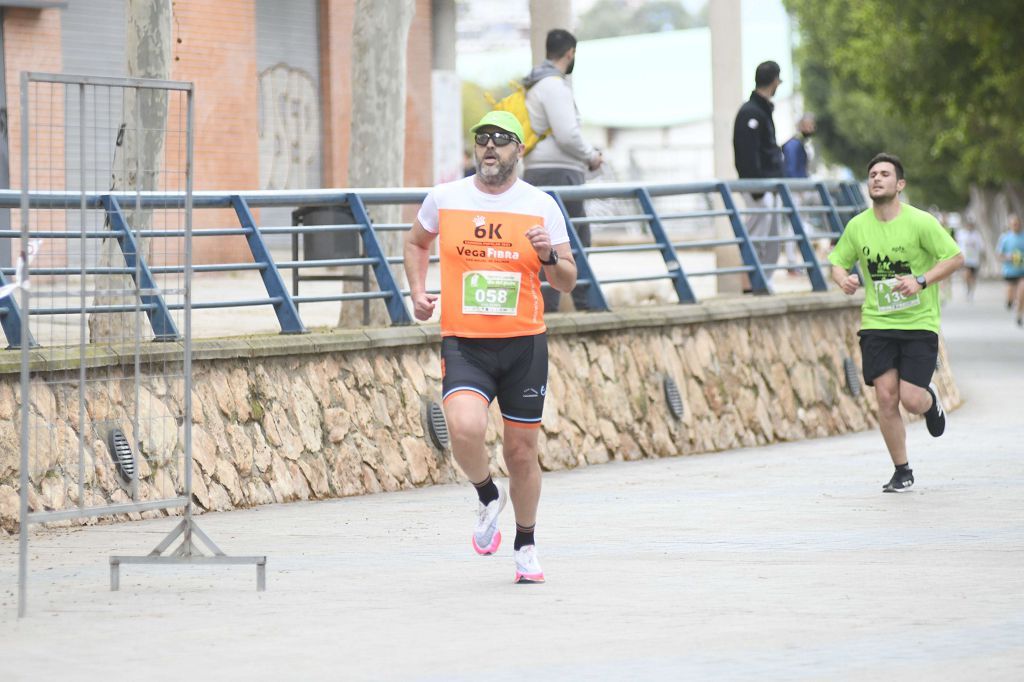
(679,281)
(23,477)
(135,246)
(834,219)
(187,360)
(806,250)
(584,273)
(385,281)
(856,195)
(295,257)
(82,322)
(758,282)
(158,313)
(287,315)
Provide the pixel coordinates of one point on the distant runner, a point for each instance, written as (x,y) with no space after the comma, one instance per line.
(1010,251)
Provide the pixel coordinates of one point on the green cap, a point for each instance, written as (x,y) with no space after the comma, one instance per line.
(505,120)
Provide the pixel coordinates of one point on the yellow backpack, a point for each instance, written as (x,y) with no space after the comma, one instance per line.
(515,104)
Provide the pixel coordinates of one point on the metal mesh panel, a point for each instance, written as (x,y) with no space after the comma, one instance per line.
(104,300)
(104,283)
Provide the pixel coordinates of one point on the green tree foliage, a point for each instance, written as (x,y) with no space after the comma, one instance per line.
(611,18)
(938,82)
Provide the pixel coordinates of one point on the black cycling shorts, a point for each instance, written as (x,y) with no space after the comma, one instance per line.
(912,353)
(513,370)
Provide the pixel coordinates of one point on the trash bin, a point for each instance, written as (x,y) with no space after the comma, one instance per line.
(328,246)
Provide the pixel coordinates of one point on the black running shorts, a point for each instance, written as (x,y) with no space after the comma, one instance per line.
(912,353)
(513,370)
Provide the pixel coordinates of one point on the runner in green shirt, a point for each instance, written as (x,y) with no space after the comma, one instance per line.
(902,252)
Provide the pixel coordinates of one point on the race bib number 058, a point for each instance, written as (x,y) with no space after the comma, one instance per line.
(890,300)
(486,292)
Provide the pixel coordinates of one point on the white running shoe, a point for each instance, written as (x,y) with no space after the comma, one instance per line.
(528,569)
(486,536)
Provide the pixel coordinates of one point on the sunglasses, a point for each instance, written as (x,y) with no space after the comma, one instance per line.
(500,138)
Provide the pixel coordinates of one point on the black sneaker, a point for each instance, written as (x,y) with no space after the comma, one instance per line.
(935,417)
(900,481)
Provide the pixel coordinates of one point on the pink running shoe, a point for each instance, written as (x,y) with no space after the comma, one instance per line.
(486,536)
(528,569)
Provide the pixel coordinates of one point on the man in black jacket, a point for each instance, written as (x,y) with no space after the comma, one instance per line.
(758,155)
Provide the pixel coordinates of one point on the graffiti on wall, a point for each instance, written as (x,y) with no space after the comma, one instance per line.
(289,131)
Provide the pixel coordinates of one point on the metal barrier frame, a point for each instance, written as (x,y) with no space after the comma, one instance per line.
(152,300)
(285,302)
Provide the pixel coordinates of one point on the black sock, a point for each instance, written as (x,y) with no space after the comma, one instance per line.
(524,535)
(903,467)
(486,491)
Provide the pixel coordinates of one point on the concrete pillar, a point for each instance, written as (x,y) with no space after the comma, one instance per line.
(442,18)
(727,95)
(446,94)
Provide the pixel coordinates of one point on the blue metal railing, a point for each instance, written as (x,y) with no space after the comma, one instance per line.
(838,202)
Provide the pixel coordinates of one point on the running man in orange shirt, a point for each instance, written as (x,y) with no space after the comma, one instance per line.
(497,232)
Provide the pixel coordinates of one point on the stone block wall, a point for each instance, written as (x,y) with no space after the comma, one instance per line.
(283,418)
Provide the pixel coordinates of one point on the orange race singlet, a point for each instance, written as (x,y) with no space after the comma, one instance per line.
(490,285)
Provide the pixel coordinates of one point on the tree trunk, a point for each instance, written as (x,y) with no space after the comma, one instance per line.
(380,33)
(544,16)
(138,152)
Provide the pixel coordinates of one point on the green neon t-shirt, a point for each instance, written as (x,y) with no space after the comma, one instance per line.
(909,244)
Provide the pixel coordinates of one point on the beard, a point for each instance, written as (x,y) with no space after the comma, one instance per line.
(498,175)
(572,65)
(883,196)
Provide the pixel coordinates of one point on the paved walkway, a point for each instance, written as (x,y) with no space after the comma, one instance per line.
(772,563)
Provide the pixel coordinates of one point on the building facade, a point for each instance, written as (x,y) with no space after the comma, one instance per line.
(273,89)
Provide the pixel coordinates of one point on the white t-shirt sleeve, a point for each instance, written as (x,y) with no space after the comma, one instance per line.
(555,221)
(428,214)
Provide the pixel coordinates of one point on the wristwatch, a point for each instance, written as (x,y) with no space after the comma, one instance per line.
(922,281)
(552,259)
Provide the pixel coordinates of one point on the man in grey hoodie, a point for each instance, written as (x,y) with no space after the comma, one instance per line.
(562,157)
